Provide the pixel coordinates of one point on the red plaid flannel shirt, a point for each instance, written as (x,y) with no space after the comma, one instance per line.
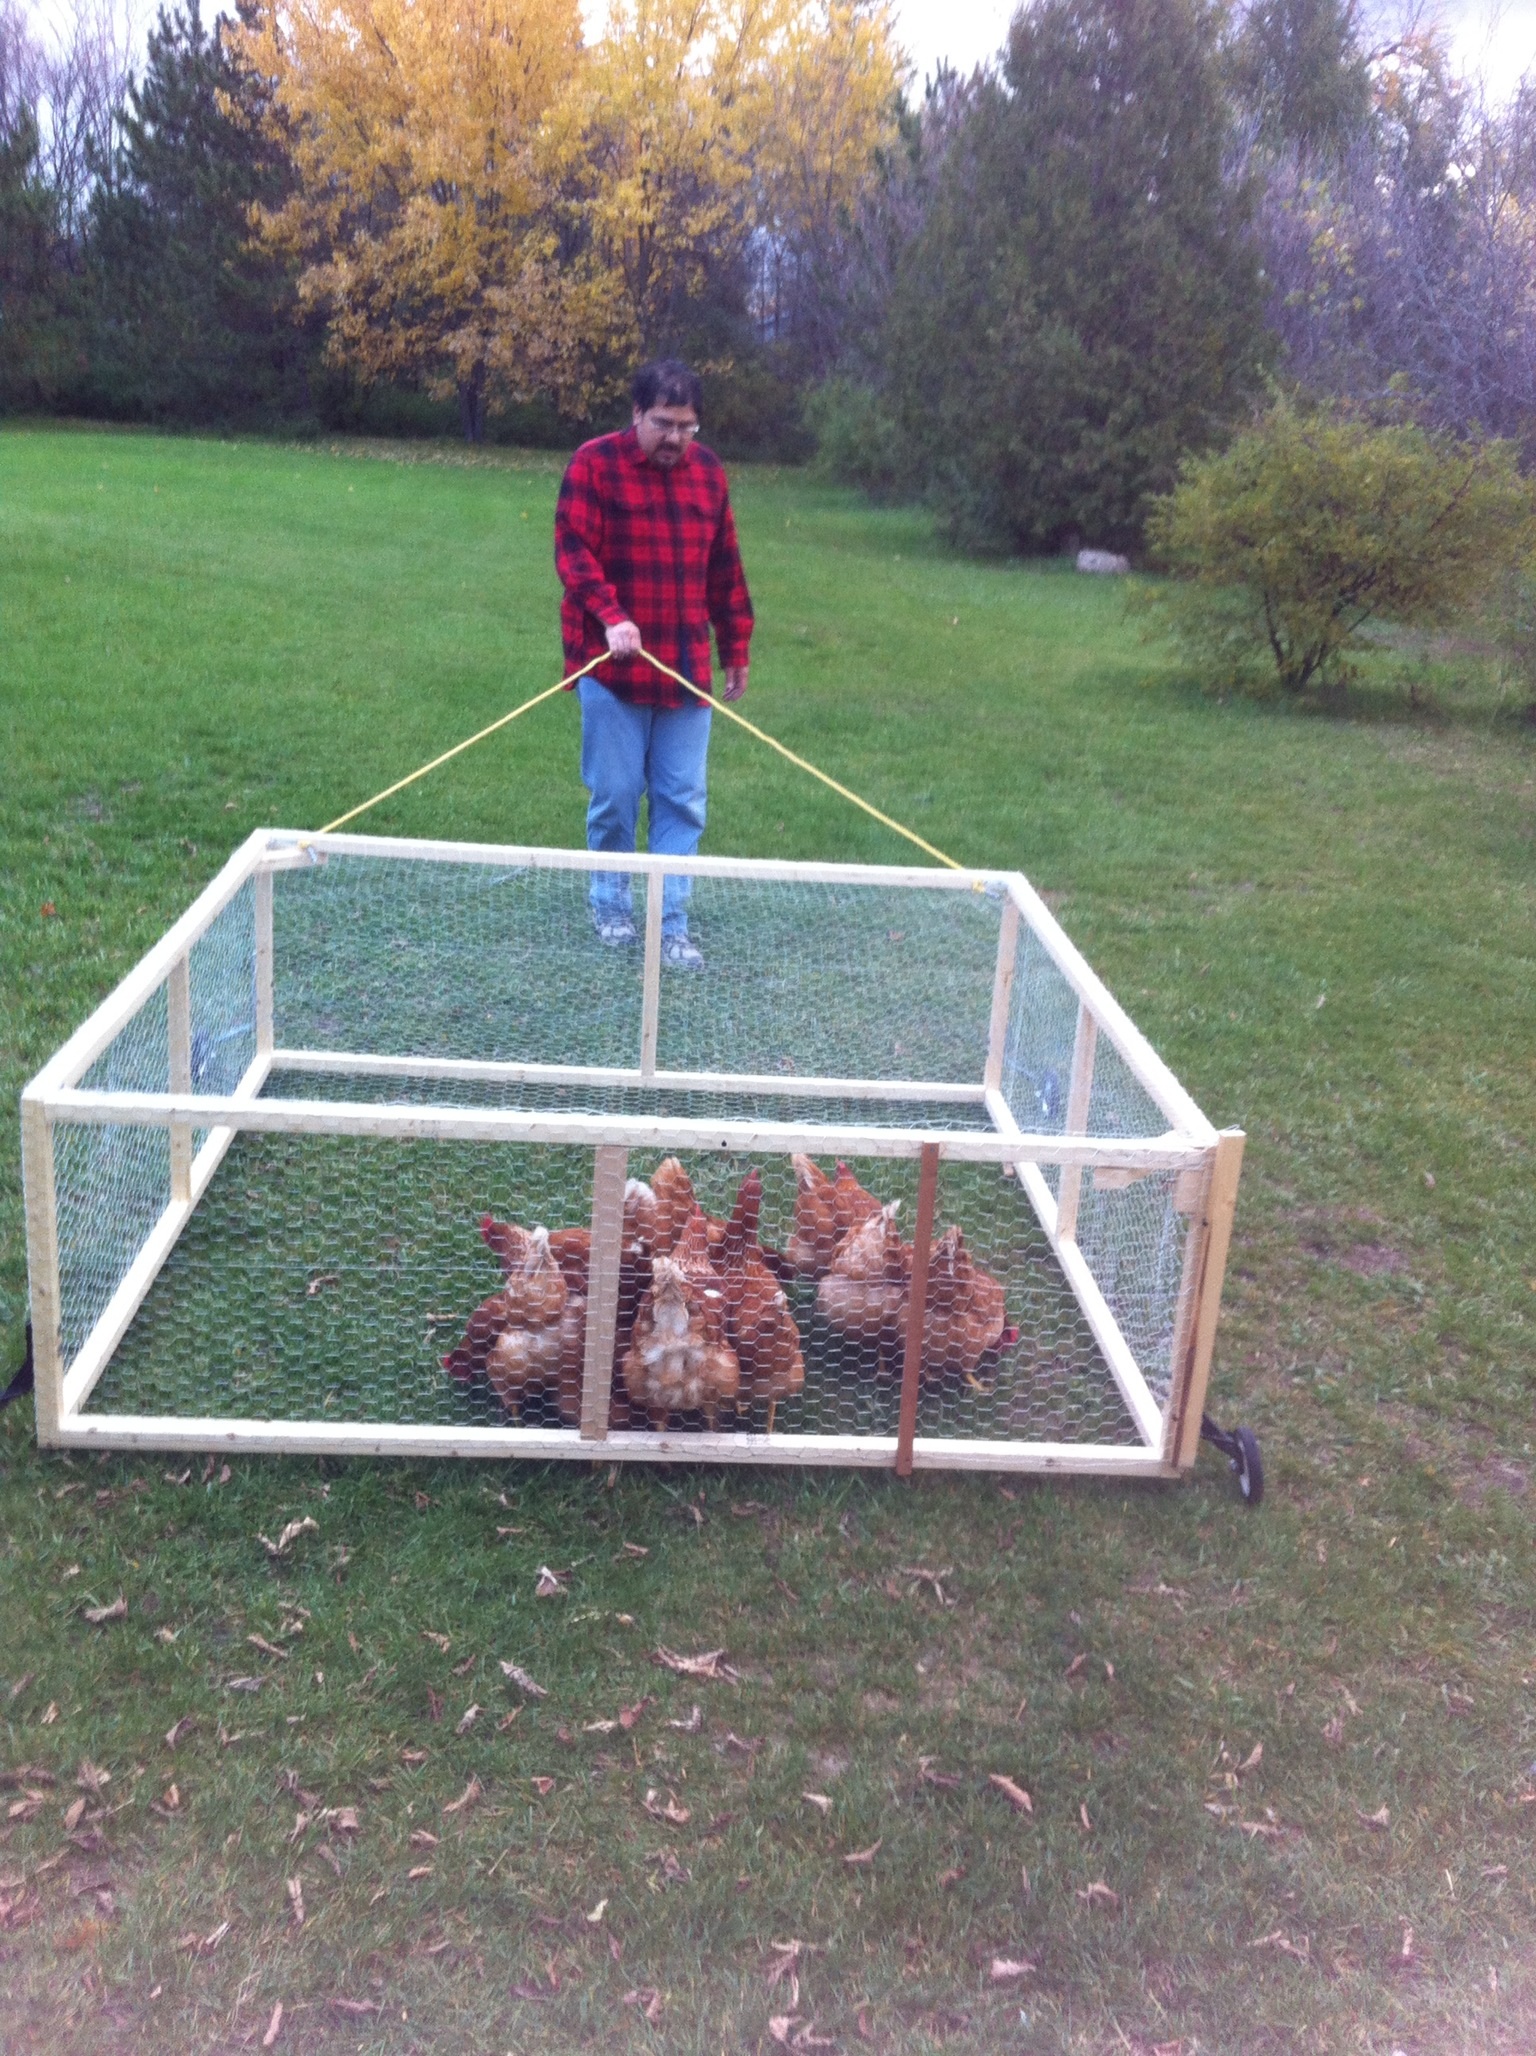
(635,542)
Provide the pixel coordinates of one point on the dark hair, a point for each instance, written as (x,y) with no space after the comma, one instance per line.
(669,382)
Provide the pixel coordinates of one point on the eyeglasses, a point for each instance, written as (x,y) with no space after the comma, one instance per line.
(684,431)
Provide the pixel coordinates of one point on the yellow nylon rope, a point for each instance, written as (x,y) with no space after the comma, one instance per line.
(459,747)
(800,763)
(720,707)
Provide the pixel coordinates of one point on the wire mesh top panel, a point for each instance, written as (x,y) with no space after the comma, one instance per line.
(835,980)
(489,962)
(501,963)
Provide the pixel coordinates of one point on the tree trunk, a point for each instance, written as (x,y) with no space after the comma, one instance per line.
(472,405)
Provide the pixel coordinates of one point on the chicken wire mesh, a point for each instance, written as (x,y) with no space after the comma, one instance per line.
(497,963)
(324,1277)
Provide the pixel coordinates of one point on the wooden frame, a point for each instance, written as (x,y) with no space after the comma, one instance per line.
(1208,1165)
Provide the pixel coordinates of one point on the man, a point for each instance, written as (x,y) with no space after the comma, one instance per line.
(645,545)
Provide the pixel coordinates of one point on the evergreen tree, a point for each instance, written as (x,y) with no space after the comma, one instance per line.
(187,318)
(29,331)
(1299,71)
(1083,302)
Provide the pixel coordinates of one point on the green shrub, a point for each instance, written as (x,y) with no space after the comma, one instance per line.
(1311,527)
(857,440)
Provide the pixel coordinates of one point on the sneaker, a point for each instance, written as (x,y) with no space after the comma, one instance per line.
(616,930)
(681,954)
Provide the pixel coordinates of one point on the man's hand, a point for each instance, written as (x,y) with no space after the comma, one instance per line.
(623,639)
(735,682)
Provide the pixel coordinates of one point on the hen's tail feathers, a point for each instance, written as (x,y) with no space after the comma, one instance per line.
(21,1384)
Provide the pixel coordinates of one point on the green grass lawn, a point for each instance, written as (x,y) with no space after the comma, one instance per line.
(1297,1751)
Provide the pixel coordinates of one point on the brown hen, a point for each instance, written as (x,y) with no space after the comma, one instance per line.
(678,1360)
(864,1294)
(758,1323)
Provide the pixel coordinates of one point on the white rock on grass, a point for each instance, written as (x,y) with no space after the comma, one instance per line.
(1102,561)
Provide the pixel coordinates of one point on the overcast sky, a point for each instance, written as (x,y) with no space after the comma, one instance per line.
(1498,40)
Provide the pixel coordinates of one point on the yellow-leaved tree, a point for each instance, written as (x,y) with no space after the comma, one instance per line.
(829,109)
(418,221)
(696,128)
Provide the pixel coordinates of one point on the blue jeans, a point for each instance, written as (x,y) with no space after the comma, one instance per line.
(627,751)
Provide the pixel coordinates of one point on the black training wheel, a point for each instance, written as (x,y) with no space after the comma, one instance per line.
(1248,1465)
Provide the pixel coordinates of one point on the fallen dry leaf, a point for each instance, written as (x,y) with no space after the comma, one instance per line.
(599,1727)
(678,1815)
(648,1999)
(947,1878)
(289,1535)
(182,1729)
(1252,1760)
(1075,1665)
(819,1800)
(356,2009)
(274,2026)
(466,1720)
(341,1820)
(443,1642)
(99,1615)
(1381,1818)
(632,1549)
(423,1838)
(941,1780)
(629,1716)
(779,2026)
(25,1774)
(507,1719)
(865,1855)
(462,1670)
(921,1574)
(245,1684)
(543,1786)
(267,1648)
(434,1704)
(1277,1939)
(1013,1793)
(1099,1894)
(466,1798)
(549,1585)
(317,1285)
(421,1870)
(1082,1814)
(204,1945)
(170,1799)
(597,1913)
(515,1673)
(50,1714)
(413,1758)
(708,1664)
(692,1724)
(296,1901)
(1005,1969)
(72,1813)
(91,1777)
(328,1855)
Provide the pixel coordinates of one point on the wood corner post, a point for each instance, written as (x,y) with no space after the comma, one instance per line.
(917,1301)
(1215,1231)
(42,1211)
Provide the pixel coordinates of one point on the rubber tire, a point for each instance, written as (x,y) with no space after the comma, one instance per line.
(1249,1466)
